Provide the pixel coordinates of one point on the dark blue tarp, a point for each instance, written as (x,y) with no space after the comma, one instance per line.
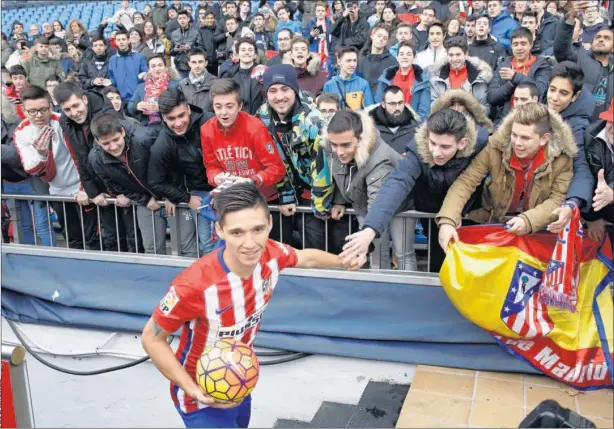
(373,320)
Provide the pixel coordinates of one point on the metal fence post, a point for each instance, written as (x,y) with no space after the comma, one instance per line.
(175,242)
(15,211)
(16,388)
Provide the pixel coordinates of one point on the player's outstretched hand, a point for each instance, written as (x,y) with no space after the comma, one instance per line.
(355,262)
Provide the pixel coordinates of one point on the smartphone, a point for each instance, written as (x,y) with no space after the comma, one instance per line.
(320,29)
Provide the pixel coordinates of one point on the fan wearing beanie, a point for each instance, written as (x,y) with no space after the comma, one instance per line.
(296,125)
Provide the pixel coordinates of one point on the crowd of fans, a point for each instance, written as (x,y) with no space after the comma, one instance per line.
(490,109)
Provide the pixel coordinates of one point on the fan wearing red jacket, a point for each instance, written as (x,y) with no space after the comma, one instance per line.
(237,145)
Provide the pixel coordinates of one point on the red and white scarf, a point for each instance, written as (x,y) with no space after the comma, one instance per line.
(323,48)
(559,286)
(153,89)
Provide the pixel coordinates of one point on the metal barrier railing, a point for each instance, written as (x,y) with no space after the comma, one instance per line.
(128,231)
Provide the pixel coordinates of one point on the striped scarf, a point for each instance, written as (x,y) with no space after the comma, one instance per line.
(153,89)
(560,282)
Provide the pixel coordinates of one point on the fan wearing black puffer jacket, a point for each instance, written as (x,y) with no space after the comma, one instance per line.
(176,170)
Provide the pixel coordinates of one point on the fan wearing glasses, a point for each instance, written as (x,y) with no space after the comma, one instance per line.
(41,146)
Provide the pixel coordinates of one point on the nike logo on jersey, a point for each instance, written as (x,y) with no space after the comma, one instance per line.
(218,311)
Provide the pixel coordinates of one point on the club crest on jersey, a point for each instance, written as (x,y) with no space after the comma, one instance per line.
(267,287)
(269,148)
(169,301)
(522,310)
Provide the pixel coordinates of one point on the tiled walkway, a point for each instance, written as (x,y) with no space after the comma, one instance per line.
(448,397)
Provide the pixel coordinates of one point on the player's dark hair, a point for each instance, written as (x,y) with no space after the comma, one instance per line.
(571,71)
(33,92)
(106,125)
(449,122)
(531,86)
(65,90)
(345,120)
(239,197)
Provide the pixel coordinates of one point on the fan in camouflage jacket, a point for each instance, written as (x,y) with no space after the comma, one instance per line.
(304,171)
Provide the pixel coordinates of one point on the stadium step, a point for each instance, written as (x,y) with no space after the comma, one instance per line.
(285,423)
(333,415)
(452,398)
(378,407)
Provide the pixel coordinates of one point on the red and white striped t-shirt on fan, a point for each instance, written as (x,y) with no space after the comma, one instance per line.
(210,302)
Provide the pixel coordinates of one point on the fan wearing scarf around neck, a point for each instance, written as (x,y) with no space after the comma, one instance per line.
(144,103)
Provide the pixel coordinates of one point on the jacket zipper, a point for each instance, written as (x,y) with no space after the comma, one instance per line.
(347,190)
(134,175)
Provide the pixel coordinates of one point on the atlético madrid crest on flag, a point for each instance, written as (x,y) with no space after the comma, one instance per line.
(563,326)
(522,310)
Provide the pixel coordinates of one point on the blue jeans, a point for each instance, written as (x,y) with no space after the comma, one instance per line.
(28,209)
(237,417)
(205,244)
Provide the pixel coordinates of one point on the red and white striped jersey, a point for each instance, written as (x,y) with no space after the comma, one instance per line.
(210,302)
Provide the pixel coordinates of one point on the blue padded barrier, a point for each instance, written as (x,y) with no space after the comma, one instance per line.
(374,320)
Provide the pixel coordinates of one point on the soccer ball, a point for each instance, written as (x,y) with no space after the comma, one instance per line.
(228,370)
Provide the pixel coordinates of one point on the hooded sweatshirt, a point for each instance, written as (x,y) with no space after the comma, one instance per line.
(245,150)
(355,92)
